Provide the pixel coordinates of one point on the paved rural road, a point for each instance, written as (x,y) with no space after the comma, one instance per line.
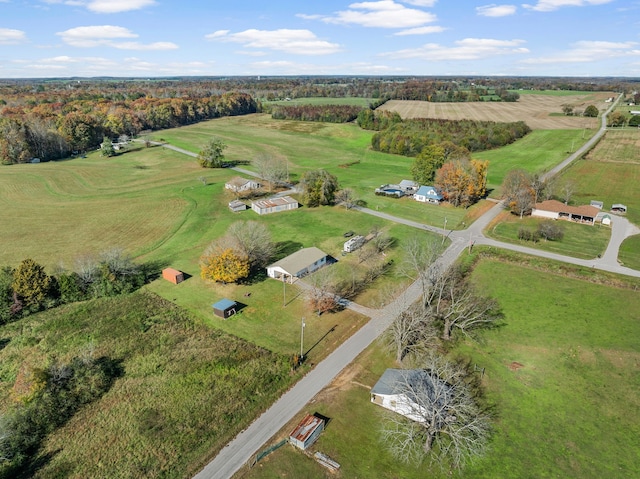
(239,451)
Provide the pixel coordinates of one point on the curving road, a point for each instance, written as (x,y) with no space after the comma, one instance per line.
(240,450)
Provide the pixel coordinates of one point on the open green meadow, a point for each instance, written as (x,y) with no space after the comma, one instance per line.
(579,241)
(560,375)
(629,254)
(181,392)
(538,152)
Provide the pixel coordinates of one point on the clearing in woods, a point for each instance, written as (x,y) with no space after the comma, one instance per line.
(540,112)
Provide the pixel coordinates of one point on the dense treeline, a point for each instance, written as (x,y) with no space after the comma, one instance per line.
(378,120)
(439,91)
(29,289)
(328,113)
(411,136)
(54,126)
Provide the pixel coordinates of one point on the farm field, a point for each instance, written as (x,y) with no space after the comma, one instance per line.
(535,109)
(180,391)
(564,354)
(610,173)
(579,241)
(537,152)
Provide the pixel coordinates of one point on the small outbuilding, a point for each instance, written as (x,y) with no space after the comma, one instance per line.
(173,275)
(225,308)
(606,220)
(237,205)
(306,432)
(597,204)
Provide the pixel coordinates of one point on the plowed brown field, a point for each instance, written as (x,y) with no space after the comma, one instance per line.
(535,110)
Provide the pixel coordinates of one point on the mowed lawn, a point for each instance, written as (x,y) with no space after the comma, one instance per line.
(579,240)
(560,375)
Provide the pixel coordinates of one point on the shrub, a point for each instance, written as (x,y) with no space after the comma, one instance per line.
(550,230)
(528,235)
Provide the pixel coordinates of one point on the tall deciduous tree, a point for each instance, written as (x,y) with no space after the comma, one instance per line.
(432,157)
(212,155)
(272,169)
(226,266)
(30,283)
(451,428)
(319,187)
(591,111)
(518,191)
(106,147)
(462,182)
(253,239)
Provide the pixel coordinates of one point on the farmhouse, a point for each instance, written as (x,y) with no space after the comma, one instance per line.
(274,205)
(298,264)
(224,308)
(557,210)
(173,275)
(387,392)
(306,432)
(428,194)
(239,184)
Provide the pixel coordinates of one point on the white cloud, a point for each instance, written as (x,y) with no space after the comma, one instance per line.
(589,51)
(106,6)
(551,5)
(105,35)
(466,49)
(494,10)
(299,42)
(381,14)
(420,31)
(421,3)
(8,36)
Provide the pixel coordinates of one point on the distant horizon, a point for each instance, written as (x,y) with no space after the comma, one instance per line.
(43,39)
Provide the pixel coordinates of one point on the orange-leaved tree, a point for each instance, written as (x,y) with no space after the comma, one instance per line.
(226,266)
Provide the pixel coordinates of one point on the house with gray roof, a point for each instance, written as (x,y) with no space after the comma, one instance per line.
(298,264)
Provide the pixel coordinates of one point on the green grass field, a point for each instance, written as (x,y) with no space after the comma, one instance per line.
(579,241)
(629,254)
(560,372)
(538,152)
(184,391)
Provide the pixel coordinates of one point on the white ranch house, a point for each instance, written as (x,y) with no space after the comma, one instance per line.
(556,210)
(239,184)
(387,391)
(298,264)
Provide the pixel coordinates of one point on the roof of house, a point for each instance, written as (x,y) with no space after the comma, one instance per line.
(556,206)
(224,304)
(408,184)
(276,201)
(391,381)
(238,181)
(618,206)
(428,191)
(300,259)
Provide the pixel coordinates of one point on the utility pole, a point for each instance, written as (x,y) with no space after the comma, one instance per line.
(444,232)
(302,340)
(284,291)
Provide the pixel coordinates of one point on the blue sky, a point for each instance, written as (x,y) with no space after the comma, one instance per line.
(148,38)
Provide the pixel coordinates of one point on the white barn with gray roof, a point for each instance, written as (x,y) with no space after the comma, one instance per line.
(298,264)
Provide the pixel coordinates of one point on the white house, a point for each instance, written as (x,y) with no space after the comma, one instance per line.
(298,264)
(238,184)
(274,205)
(428,194)
(557,210)
(388,391)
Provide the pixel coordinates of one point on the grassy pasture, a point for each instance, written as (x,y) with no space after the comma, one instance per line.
(537,152)
(629,254)
(560,375)
(610,173)
(579,241)
(534,109)
(185,389)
